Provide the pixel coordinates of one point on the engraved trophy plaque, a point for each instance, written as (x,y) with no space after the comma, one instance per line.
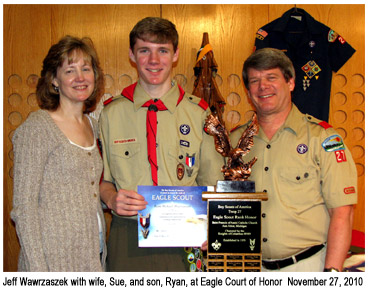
(234,209)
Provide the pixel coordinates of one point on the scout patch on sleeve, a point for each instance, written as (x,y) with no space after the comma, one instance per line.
(261,34)
(349,190)
(340,156)
(333,143)
(332,36)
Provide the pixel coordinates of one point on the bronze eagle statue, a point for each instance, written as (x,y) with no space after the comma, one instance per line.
(235,168)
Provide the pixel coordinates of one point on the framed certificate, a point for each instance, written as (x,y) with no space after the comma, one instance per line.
(174,217)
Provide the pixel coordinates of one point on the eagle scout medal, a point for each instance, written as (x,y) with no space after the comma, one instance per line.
(144,221)
(189,161)
(180,171)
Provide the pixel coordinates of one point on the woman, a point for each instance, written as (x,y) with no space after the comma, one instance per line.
(57,166)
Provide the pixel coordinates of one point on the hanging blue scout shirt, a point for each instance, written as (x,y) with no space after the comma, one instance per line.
(315,50)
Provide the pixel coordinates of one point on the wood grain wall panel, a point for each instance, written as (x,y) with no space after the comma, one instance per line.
(25,37)
(30,30)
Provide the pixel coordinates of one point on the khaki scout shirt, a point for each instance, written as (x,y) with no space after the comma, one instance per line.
(304,173)
(180,135)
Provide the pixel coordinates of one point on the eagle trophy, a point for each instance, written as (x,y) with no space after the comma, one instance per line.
(235,168)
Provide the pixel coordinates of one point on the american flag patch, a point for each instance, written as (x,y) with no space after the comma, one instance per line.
(262,32)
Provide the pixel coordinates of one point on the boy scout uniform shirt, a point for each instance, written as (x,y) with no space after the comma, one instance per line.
(315,50)
(305,170)
(180,140)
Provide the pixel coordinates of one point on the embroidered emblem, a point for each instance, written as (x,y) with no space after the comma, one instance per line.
(185,129)
(192,267)
(311,68)
(199,264)
(188,249)
(332,36)
(342,40)
(260,37)
(184,143)
(349,190)
(340,156)
(333,143)
(190,257)
(312,44)
(302,148)
(180,171)
(262,32)
(128,140)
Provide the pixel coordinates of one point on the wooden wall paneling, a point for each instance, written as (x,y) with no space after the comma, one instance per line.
(25,37)
(29,30)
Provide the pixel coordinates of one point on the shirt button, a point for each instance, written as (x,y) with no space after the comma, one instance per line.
(265,191)
(264,240)
(92,183)
(306,175)
(268,146)
(263,215)
(181,157)
(127,153)
(95,195)
(266,169)
(89,153)
(298,178)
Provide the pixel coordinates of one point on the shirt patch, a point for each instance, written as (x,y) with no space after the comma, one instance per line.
(349,190)
(302,148)
(342,40)
(340,156)
(332,36)
(184,143)
(262,32)
(333,143)
(185,129)
(128,140)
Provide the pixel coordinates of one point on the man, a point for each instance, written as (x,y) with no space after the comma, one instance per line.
(306,170)
(174,150)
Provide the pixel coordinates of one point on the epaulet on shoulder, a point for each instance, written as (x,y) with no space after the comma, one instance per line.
(312,119)
(197,100)
(111,99)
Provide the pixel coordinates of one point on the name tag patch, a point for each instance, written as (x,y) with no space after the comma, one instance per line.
(128,140)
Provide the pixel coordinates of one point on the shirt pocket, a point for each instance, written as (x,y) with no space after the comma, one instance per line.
(125,161)
(299,188)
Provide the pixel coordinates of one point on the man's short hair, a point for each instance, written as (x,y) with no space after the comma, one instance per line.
(268,58)
(156,30)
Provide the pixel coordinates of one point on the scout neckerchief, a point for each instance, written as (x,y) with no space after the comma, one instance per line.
(151,128)
(153,105)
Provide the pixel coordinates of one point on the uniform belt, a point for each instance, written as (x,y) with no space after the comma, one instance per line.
(278,264)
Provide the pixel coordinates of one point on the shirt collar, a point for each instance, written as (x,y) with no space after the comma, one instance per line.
(293,121)
(281,23)
(139,96)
